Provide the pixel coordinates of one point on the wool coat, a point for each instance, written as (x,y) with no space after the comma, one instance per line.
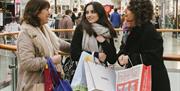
(31,52)
(145,40)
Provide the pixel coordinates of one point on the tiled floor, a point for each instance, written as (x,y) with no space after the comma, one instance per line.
(171,45)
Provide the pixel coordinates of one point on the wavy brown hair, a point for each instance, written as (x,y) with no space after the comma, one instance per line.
(103,19)
(32,9)
(142,10)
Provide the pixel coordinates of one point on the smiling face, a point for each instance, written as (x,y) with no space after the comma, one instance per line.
(44,15)
(129,18)
(91,15)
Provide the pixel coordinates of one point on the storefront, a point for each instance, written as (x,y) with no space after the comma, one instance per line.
(169,13)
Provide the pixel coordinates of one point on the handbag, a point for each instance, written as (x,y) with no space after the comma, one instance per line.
(69,67)
(47,85)
(47,79)
(58,82)
(136,78)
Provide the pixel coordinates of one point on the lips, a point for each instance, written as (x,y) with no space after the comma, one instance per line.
(129,20)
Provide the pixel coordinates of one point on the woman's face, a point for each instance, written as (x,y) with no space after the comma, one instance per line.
(129,18)
(44,15)
(91,15)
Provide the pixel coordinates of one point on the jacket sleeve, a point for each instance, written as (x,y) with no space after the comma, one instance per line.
(64,46)
(26,53)
(110,50)
(76,45)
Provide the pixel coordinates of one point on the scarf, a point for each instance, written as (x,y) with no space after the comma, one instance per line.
(45,41)
(90,43)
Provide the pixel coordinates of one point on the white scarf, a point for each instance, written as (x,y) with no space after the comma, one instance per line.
(90,43)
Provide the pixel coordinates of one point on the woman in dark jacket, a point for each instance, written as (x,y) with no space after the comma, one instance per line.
(94,34)
(141,38)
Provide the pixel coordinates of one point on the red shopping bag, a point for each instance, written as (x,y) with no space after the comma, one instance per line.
(136,78)
(47,79)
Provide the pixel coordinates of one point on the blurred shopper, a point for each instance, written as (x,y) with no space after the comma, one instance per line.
(94,34)
(78,20)
(74,16)
(115,19)
(142,38)
(35,43)
(174,23)
(157,23)
(66,23)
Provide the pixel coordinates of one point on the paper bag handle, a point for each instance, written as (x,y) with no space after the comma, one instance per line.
(131,61)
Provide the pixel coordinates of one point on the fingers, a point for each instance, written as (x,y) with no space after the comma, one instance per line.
(102,57)
(123,59)
(100,38)
(56,59)
(60,69)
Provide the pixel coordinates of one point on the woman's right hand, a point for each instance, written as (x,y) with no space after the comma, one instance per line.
(123,59)
(56,59)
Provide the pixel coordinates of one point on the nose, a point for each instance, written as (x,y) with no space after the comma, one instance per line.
(89,14)
(49,13)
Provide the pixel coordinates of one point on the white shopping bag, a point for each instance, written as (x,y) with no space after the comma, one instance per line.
(79,78)
(93,76)
(99,77)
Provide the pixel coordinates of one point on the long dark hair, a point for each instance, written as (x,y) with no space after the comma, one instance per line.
(103,19)
(142,10)
(32,9)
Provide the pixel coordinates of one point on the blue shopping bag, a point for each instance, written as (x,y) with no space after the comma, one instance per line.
(58,82)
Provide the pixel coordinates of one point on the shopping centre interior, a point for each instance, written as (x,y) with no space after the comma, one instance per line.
(169,22)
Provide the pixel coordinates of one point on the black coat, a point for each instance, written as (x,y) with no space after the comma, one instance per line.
(148,42)
(76,47)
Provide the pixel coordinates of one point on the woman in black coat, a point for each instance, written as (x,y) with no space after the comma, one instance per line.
(141,38)
(94,34)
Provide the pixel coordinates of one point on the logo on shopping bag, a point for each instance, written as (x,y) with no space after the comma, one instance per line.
(88,58)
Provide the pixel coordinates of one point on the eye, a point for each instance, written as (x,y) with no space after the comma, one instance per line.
(92,11)
(87,12)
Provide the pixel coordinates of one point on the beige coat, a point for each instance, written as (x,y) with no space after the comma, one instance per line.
(32,48)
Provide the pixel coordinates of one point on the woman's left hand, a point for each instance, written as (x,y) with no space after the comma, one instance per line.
(102,57)
(100,38)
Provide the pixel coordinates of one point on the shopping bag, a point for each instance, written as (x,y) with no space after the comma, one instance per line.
(136,78)
(69,67)
(99,77)
(79,79)
(47,79)
(38,87)
(58,82)
(47,85)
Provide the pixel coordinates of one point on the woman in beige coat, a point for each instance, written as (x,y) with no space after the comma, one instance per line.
(35,43)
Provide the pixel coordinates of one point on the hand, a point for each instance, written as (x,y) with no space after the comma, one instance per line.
(100,38)
(102,57)
(60,70)
(123,59)
(56,59)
